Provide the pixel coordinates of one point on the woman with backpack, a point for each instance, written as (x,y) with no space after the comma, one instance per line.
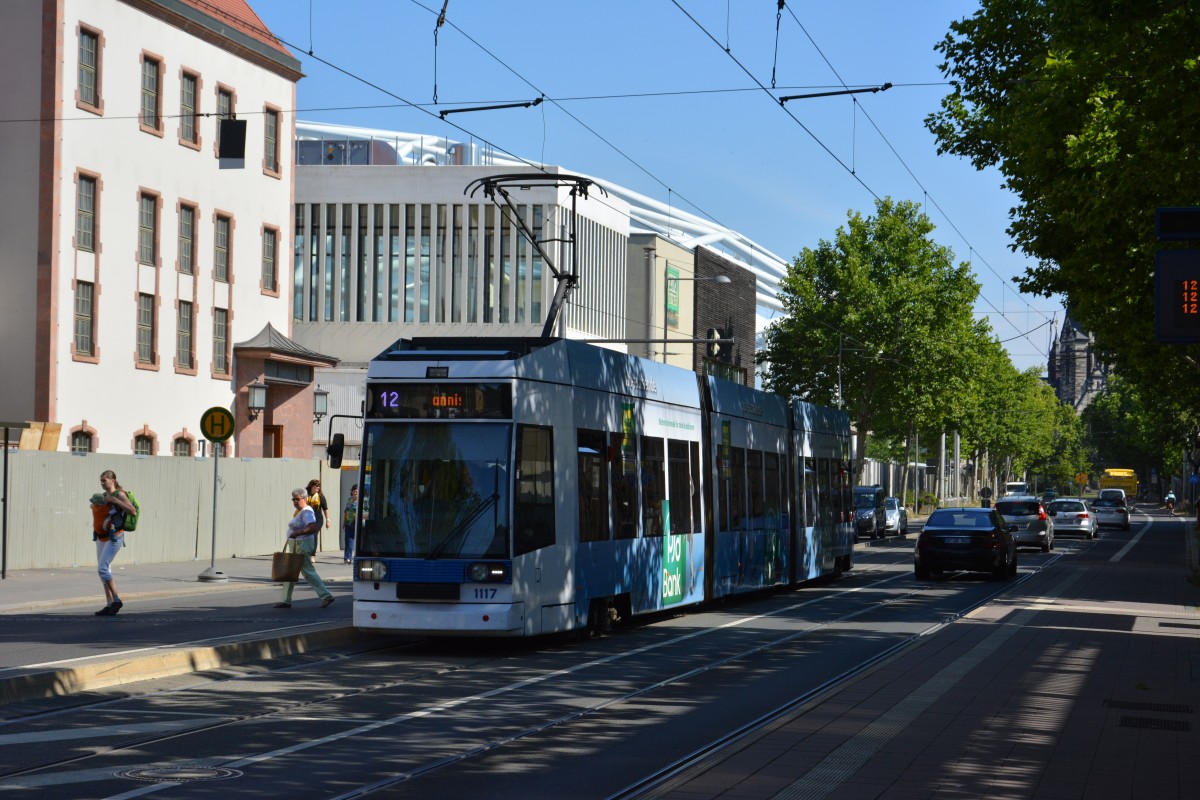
(110,538)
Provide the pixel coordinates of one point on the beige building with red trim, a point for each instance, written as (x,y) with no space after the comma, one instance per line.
(132,257)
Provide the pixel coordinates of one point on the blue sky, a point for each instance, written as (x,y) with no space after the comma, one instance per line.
(664,98)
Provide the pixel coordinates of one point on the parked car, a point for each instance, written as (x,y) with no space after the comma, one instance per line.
(897,516)
(870,516)
(1072,516)
(1110,511)
(1031,525)
(974,539)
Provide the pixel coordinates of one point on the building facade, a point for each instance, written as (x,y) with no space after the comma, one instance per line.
(1074,369)
(691,308)
(396,237)
(133,255)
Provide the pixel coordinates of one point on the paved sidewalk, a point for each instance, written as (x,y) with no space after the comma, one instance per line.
(52,644)
(33,589)
(1082,684)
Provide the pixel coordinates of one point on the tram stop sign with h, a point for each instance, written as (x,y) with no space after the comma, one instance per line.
(217,424)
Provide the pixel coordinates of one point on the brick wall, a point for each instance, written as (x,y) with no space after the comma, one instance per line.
(729,307)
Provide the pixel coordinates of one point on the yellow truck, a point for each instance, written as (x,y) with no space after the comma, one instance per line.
(1121,479)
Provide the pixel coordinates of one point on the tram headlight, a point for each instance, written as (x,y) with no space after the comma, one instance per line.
(368,569)
(487,572)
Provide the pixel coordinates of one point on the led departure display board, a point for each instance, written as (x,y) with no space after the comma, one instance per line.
(439,400)
(1177,296)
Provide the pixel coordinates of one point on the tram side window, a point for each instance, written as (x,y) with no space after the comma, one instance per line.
(825,493)
(737,490)
(772,484)
(754,489)
(694,486)
(844,475)
(808,514)
(654,486)
(533,511)
(625,506)
(679,487)
(593,487)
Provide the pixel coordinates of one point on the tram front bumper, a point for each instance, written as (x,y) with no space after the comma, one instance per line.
(434,619)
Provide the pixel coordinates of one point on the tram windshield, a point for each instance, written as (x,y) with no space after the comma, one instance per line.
(436,490)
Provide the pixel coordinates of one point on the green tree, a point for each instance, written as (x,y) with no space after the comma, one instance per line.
(880,314)
(1124,429)
(1089,110)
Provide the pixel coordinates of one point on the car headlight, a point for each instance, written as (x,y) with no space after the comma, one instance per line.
(487,572)
(369,569)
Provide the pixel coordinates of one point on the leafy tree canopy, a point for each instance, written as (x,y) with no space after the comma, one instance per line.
(881,314)
(1089,108)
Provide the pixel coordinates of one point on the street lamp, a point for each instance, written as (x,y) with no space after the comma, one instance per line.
(320,404)
(256,399)
(667,278)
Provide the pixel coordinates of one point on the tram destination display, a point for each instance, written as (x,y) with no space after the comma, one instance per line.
(439,401)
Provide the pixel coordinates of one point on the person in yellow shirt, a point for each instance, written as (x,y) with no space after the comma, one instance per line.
(317,501)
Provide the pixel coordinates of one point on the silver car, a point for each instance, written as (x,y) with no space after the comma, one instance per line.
(1026,516)
(1073,516)
(897,516)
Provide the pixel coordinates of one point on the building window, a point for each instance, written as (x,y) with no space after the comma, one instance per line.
(183,336)
(181,447)
(187,240)
(85,214)
(271,140)
(143,445)
(145,329)
(220,340)
(188,131)
(221,250)
(224,111)
(151,115)
(89,68)
(269,279)
(84,309)
(81,442)
(148,229)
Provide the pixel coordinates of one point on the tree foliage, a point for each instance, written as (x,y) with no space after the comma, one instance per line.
(1127,428)
(1089,109)
(882,314)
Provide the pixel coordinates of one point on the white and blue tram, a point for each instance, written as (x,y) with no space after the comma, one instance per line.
(516,487)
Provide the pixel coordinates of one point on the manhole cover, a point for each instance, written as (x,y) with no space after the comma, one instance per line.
(178,774)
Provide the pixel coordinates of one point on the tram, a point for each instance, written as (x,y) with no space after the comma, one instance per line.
(519,487)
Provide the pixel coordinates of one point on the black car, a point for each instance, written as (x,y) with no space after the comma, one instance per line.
(973,539)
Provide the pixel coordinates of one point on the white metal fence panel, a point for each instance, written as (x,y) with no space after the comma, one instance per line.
(50,520)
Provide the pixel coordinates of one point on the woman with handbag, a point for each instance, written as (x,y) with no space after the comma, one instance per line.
(302,537)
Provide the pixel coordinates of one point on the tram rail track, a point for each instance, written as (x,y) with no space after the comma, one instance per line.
(712,750)
(796,706)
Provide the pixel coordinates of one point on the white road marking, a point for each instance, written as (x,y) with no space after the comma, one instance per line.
(1121,553)
(101,733)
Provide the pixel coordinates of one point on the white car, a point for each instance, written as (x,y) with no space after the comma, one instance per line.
(897,516)
(1073,516)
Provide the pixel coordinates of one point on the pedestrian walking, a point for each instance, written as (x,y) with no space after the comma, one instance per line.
(348,516)
(317,500)
(108,531)
(302,534)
